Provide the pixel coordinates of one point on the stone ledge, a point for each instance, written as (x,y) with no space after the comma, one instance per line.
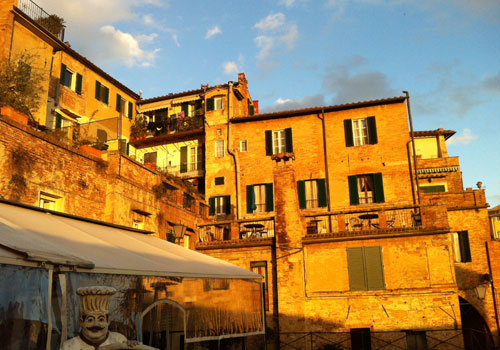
(235,243)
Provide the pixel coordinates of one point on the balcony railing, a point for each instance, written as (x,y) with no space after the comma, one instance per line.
(245,230)
(367,220)
(184,171)
(173,125)
(53,23)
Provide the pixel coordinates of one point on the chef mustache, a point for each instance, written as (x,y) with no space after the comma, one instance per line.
(95,328)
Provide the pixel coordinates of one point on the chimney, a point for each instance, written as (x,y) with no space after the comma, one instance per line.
(256,106)
(242,79)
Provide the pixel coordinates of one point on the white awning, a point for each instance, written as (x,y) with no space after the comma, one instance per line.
(32,234)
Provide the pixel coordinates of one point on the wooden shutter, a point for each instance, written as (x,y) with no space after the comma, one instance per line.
(269,142)
(251,109)
(184,158)
(227,205)
(378,183)
(288,140)
(106,95)
(58,121)
(211,209)
(78,87)
(118,103)
(349,140)
(353,189)
(130,112)
(62,76)
(374,268)
(97,90)
(463,238)
(356,269)
(210,104)
(250,199)
(321,184)
(269,197)
(185,108)
(301,189)
(372,130)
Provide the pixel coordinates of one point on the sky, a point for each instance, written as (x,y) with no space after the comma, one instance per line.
(304,53)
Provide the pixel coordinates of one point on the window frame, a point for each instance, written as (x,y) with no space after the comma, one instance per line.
(283,144)
(353,133)
(52,198)
(266,198)
(245,147)
(101,92)
(219,149)
(219,205)
(365,268)
(279,141)
(255,266)
(218,103)
(321,200)
(360,132)
(354,189)
(461,247)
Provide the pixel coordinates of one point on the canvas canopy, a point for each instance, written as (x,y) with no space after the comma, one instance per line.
(44,236)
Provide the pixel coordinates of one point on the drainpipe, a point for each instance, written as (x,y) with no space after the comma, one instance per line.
(411,173)
(493,293)
(408,110)
(231,153)
(327,176)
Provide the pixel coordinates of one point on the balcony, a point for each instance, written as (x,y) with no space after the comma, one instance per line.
(52,23)
(184,171)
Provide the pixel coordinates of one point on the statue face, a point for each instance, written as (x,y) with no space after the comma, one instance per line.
(95,326)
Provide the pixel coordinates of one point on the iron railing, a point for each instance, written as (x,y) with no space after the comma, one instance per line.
(53,23)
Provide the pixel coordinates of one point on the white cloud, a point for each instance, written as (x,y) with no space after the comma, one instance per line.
(230,68)
(271,22)
(464,139)
(213,31)
(274,30)
(176,40)
(126,48)
(287,3)
(283,104)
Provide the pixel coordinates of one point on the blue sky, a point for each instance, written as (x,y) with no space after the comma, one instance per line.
(299,53)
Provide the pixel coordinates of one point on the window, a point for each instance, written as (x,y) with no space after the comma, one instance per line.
(220,205)
(251,108)
(243,146)
(312,193)
(360,132)
(219,180)
(214,103)
(215,284)
(433,188)
(50,201)
(366,188)
(138,224)
(366,270)
(101,92)
(260,267)
(191,158)
(416,340)
(186,241)
(361,339)
(150,157)
(219,148)
(124,107)
(278,141)
(71,79)
(187,201)
(260,198)
(462,247)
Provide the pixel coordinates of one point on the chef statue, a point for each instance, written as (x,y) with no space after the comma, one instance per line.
(94,323)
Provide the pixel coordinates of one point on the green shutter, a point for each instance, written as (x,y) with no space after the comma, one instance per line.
(349,140)
(118,103)
(321,192)
(374,268)
(288,140)
(433,188)
(301,189)
(211,202)
(185,108)
(372,130)
(269,197)
(353,189)
(97,90)
(463,238)
(106,95)
(379,188)
(62,76)
(78,83)
(251,109)
(210,104)
(130,112)
(58,121)
(269,142)
(250,199)
(184,158)
(356,269)
(227,205)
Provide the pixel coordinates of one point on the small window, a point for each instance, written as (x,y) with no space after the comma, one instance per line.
(101,92)
(186,241)
(243,146)
(278,141)
(215,284)
(50,201)
(138,224)
(359,132)
(462,247)
(220,205)
(218,103)
(219,148)
(219,180)
(366,270)
(416,340)
(70,79)
(260,267)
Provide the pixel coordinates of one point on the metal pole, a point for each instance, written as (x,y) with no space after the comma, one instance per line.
(412,135)
(493,291)
(327,176)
